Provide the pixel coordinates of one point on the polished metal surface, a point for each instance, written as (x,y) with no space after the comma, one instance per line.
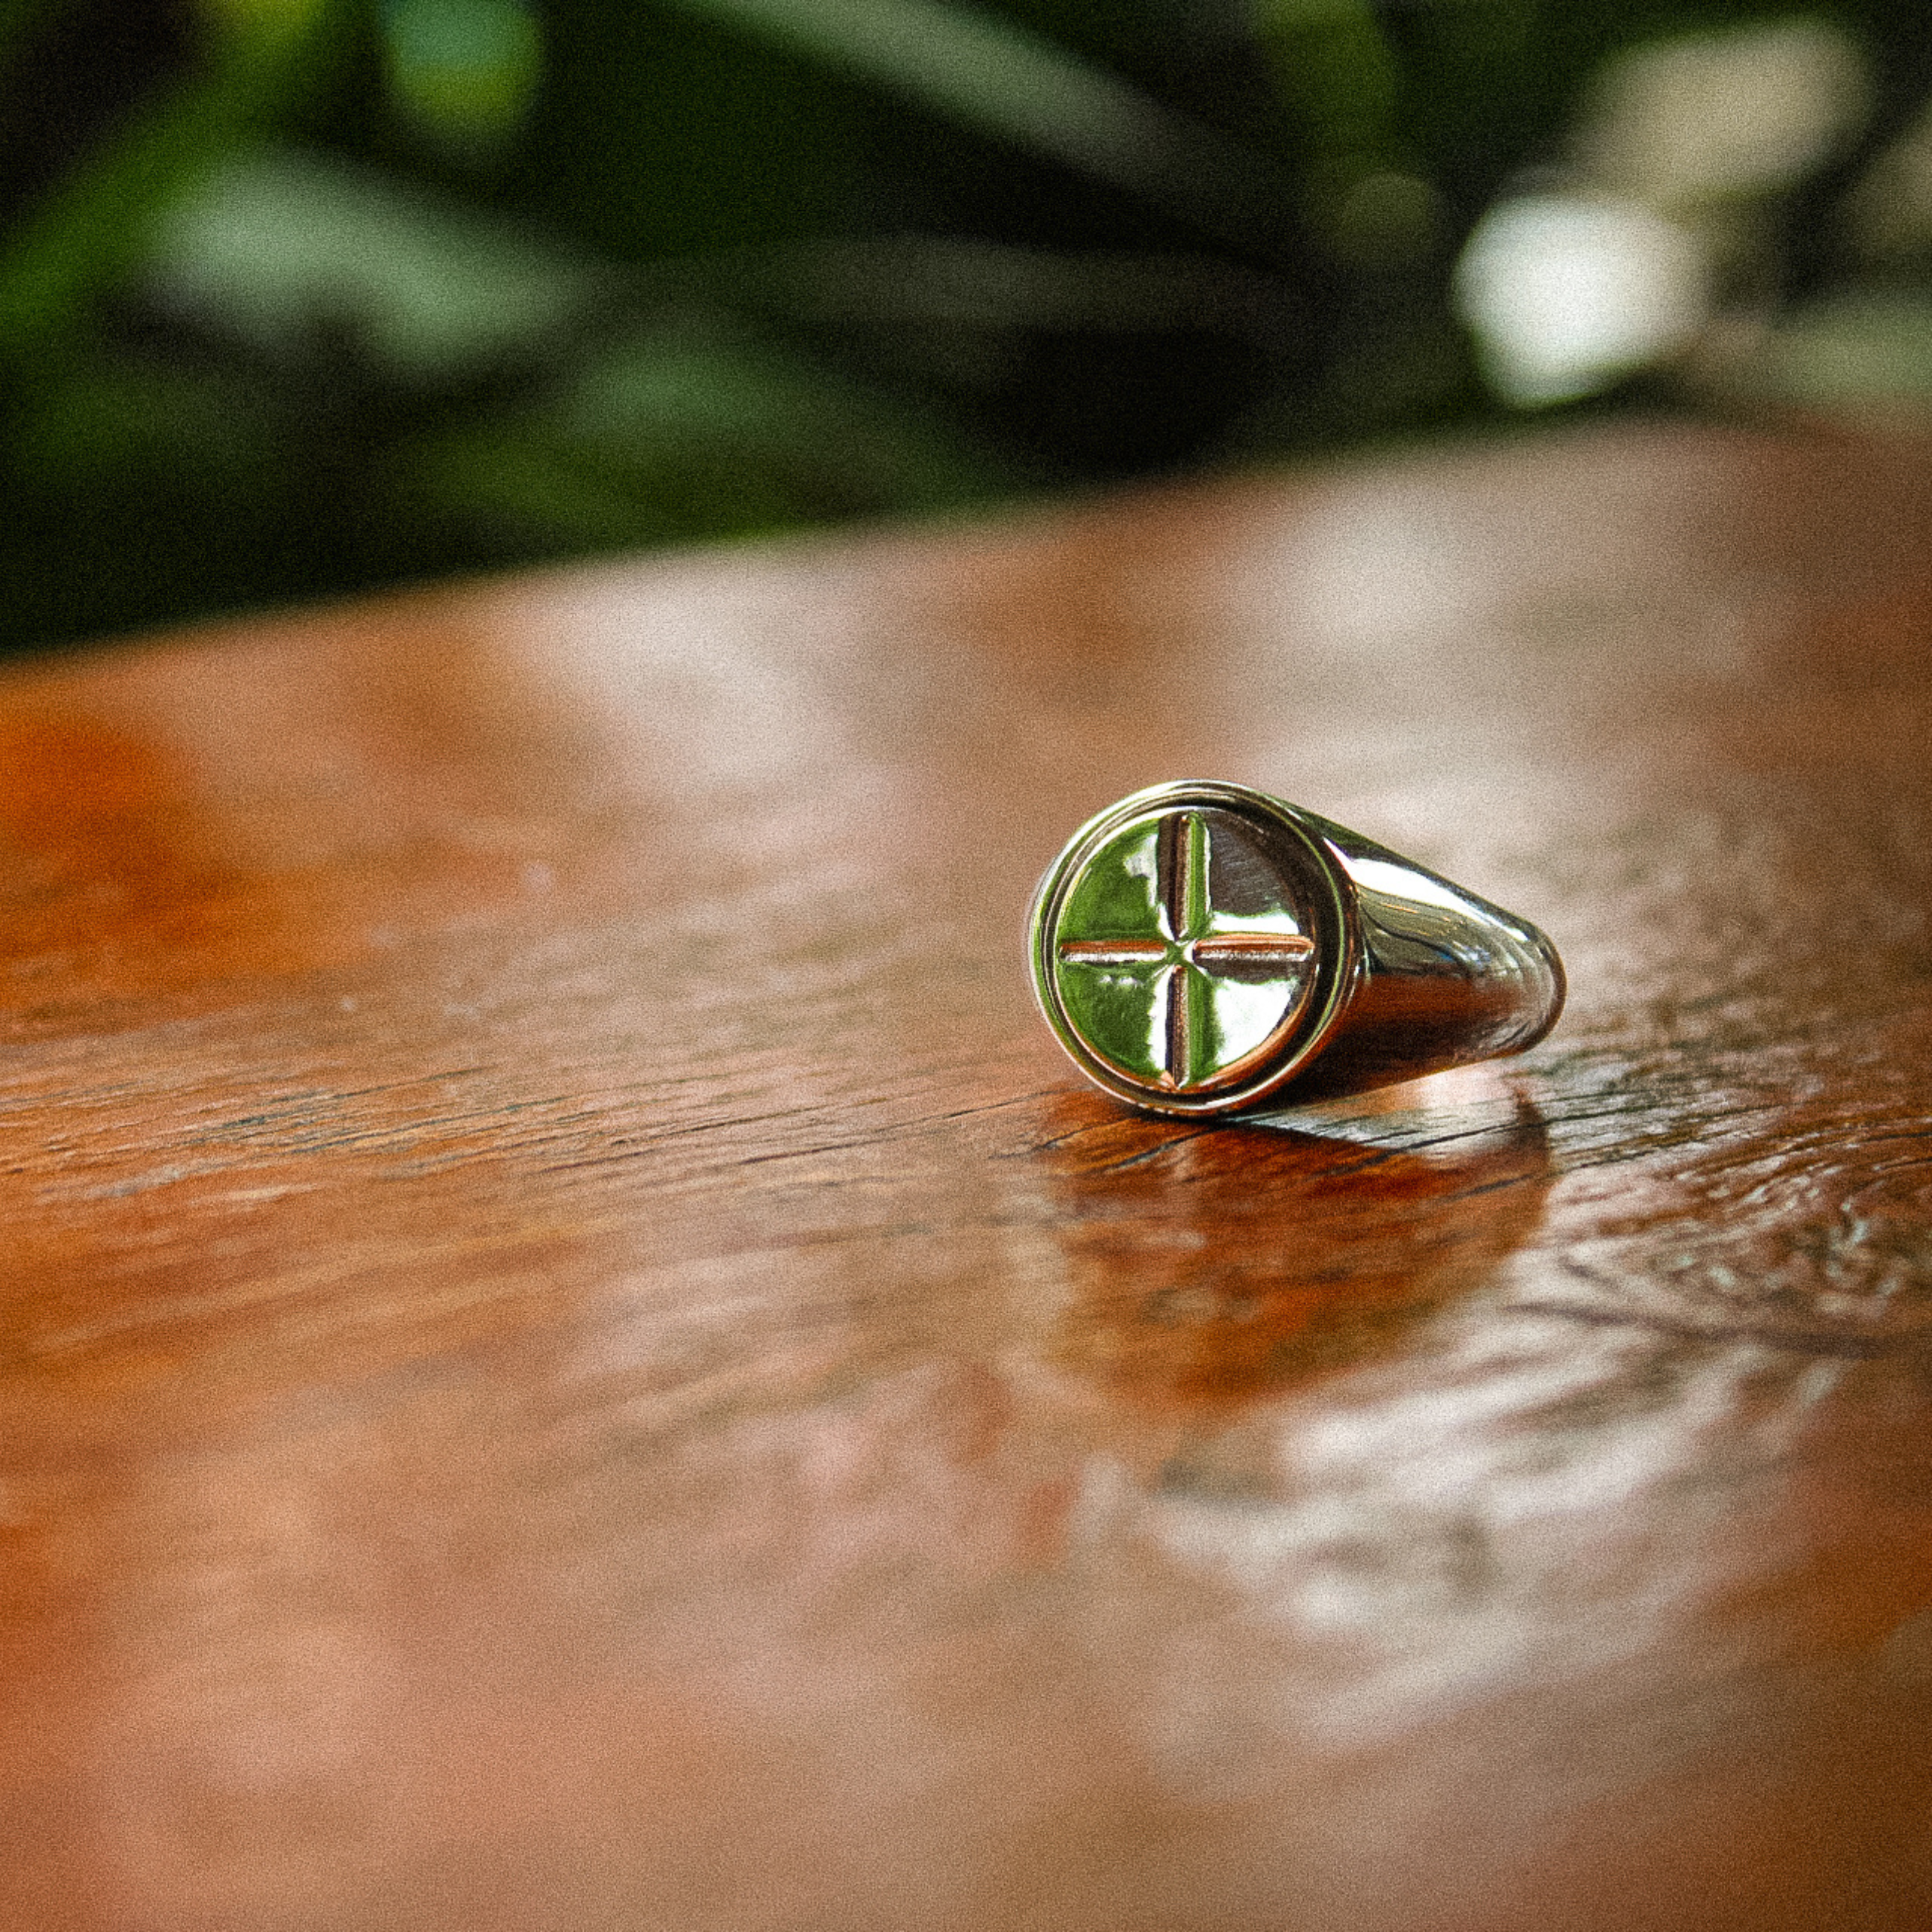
(1199,945)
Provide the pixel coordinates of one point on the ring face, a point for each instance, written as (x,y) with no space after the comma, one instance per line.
(1190,946)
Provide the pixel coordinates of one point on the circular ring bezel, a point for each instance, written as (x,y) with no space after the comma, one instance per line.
(1338,962)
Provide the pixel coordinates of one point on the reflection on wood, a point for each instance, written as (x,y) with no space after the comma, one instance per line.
(1204,1270)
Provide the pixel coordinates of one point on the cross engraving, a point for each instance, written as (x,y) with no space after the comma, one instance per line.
(1195,946)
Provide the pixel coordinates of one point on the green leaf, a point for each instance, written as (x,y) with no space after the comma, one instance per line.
(674,435)
(1002,80)
(282,244)
(84,235)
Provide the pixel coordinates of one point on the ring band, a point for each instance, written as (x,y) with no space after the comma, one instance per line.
(1198,945)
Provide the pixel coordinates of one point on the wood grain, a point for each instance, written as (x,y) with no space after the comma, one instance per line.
(572,1356)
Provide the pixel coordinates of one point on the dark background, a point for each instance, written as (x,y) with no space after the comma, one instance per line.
(301,296)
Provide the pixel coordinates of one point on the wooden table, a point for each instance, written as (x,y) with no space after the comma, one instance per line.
(575,1357)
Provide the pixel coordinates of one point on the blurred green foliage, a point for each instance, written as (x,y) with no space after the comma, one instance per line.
(300,296)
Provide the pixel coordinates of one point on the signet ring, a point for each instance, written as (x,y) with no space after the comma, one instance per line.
(1199,946)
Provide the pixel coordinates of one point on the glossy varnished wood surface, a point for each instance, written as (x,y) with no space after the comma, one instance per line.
(572,1356)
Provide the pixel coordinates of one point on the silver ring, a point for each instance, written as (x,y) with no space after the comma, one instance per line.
(1199,945)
